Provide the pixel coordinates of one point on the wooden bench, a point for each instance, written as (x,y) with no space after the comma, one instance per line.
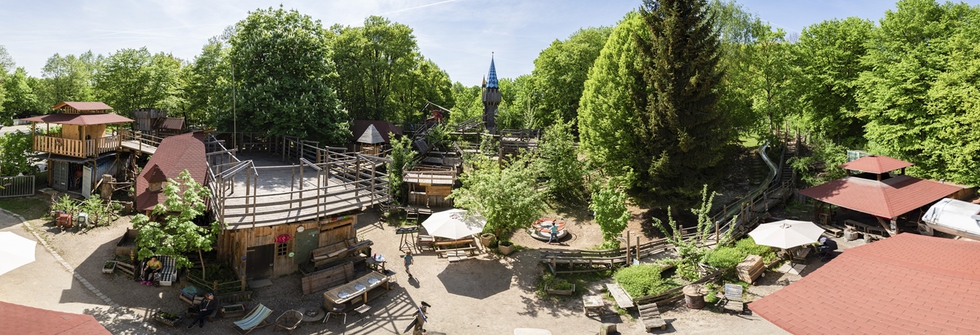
(467,251)
(455,255)
(619,294)
(650,316)
(452,243)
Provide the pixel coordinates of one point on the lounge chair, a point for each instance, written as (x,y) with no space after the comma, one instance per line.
(650,316)
(289,320)
(732,300)
(254,319)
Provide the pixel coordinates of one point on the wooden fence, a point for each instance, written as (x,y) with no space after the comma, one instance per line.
(18,186)
(217,287)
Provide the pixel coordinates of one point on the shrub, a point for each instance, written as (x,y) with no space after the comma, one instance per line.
(642,280)
(749,246)
(725,257)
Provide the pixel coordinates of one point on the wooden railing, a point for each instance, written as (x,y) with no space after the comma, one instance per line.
(76,148)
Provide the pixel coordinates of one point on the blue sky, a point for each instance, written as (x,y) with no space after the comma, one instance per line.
(458,35)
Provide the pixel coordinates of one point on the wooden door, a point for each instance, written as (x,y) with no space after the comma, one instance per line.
(86,181)
(59,178)
(259,261)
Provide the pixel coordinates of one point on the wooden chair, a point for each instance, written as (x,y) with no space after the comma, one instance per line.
(732,299)
(255,319)
(289,320)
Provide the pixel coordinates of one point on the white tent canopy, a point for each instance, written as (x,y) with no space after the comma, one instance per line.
(954,214)
(371,136)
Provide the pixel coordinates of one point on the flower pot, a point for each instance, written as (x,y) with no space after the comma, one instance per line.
(505,249)
(486,239)
(561,292)
(109,267)
(167,319)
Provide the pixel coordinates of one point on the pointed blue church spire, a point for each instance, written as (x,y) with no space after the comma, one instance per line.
(492,81)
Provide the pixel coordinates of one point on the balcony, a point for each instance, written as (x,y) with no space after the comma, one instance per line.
(76,148)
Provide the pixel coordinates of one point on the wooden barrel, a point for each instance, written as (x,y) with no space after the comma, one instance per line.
(694,296)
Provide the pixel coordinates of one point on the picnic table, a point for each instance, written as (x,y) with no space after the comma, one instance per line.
(344,293)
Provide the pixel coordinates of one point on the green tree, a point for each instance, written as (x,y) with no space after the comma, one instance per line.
(611,214)
(739,31)
(773,98)
(282,69)
(177,234)
(506,194)
(558,163)
(906,56)
(693,251)
(607,117)
(208,82)
(17,154)
(68,78)
(560,72)
(828,55)
(21,98)
(131,79)
(401,157)
(466,103)
(682,137)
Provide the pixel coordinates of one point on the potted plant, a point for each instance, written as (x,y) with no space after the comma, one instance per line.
(486,239)
(560,286)
(109,267)
(505,247)
(167,318)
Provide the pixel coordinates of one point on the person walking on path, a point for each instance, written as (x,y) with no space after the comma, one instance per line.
(204,309)
(554,232)
(151,268)
(409,260)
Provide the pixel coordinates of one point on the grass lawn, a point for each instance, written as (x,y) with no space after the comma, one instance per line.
(29,207)
(750,142)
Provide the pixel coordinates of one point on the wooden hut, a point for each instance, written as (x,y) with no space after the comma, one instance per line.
(429,185)
(371,141)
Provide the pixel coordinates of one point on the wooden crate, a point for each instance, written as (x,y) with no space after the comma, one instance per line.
(750,268)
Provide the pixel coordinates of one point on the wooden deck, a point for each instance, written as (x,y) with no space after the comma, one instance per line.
(257,189)
(139,146)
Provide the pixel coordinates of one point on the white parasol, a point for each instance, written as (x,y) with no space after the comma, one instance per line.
(15,251)
(786,234)
(454,224)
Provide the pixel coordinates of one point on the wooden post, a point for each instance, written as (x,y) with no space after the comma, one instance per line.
(627,247)
(357,177)
(637,248)
(248,181)
(255,194)
(301,168)
(292,186)
(717,234)
(373,177)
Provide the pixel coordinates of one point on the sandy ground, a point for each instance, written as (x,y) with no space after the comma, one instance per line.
(488,295)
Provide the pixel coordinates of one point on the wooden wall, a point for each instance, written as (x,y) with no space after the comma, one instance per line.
(232,244)
(74,132)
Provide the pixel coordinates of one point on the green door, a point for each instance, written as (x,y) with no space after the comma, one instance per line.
(305,242)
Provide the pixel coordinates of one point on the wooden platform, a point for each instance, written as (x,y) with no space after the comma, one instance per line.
(650,316)
(619,294)
(137,146)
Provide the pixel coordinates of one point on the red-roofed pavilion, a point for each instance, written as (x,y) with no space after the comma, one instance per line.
(906,284)
(877,192)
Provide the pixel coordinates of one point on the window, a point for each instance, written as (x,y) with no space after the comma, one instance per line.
(281,249)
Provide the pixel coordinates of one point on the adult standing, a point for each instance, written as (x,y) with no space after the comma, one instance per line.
(204,309)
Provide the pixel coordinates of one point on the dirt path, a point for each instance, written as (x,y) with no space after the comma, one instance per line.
(487,295)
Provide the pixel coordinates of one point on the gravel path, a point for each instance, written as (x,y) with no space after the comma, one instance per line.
(488,295)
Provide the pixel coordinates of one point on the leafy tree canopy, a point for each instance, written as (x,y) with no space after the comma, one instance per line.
(505,193)
(131,79)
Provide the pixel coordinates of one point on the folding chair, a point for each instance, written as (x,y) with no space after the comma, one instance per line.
(255,319)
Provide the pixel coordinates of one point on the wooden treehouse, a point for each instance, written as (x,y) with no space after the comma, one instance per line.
(429,185)
(80,146)
(279,215)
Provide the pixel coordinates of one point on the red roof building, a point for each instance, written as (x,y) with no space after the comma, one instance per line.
(18,319)
(875,164)
(174,155)
(888,198)
(906,284)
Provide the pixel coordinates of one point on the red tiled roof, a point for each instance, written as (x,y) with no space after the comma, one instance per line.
(887,198)
(83,106)
(172,123)
(19,319)
(80,119)
(174,155)
(876,164)
(906,284)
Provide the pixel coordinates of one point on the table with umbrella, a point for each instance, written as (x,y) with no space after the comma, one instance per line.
(15,251)
(786,234)
(456,225)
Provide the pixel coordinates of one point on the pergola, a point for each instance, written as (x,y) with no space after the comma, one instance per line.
(872,189)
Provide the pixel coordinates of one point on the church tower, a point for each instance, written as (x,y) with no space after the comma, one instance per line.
(491,99)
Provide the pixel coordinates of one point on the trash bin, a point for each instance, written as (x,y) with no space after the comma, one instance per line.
(83,219)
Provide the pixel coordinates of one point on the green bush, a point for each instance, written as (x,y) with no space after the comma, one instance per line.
(725,257)
(749,246)
(642,280)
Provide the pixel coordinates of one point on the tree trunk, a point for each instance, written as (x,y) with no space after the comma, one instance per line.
(204,274)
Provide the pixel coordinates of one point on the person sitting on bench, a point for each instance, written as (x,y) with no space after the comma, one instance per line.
(827,247)
(149,270)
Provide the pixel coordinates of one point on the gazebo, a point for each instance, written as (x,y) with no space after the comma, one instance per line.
(871,187)
(371,141)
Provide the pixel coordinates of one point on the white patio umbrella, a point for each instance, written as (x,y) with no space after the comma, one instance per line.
(454,224)
(15,251)
(786,234)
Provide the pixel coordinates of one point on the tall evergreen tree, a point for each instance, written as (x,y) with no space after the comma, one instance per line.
(682,136)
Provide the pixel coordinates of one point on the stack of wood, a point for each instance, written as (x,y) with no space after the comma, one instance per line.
(750,268)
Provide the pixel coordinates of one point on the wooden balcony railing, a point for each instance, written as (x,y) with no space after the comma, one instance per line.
(76,148)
